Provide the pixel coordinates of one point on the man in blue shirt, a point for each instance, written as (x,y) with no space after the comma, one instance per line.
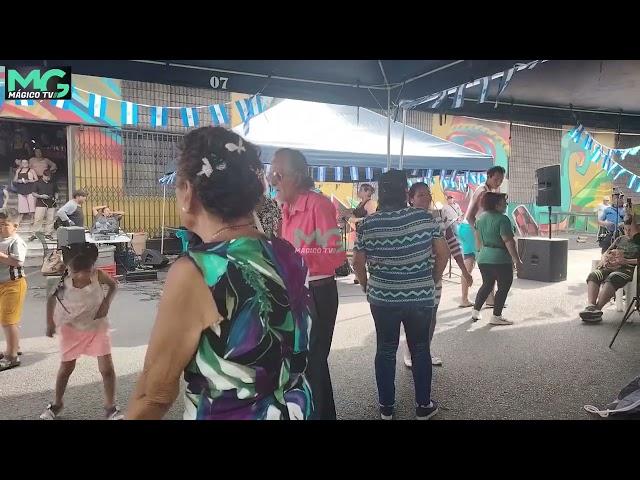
(611,219)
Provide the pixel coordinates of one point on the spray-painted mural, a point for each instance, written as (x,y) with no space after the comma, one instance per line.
(481,136)
(585,182)
(77,111)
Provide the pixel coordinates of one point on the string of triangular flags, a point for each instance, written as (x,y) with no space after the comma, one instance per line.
(159,115)
(436,100)
(455,180)
(595,152)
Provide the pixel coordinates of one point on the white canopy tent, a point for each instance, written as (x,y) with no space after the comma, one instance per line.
(347,136)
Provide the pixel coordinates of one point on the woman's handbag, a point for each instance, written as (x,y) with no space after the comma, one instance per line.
(53,264)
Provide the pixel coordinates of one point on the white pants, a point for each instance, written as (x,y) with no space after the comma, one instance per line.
(44,217)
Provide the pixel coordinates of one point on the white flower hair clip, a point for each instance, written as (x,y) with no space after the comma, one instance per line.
(239,148)
(206,168)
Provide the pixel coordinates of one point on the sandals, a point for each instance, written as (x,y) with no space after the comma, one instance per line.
(462,305)
(114,414)
(2,355)
(50,414)
(6,363)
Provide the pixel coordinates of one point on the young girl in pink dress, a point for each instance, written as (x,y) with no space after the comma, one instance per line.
(78,311)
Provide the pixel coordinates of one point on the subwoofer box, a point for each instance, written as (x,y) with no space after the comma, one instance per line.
(544,259)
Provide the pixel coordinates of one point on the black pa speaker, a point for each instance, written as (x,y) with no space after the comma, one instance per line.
(154,258)
(548,192)
(544,259)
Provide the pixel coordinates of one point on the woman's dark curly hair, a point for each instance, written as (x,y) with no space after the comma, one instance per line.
(234,185)
(491,200)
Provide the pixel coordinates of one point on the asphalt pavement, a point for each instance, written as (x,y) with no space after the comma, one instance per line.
(545,366)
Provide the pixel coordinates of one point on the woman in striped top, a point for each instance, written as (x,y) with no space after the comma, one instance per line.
(406,255)
(420,197)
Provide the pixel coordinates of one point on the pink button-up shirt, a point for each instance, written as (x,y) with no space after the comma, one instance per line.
(310,225)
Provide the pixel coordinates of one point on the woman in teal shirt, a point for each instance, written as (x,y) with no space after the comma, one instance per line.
(498,254)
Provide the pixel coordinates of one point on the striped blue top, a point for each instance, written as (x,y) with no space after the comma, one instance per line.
(399,256)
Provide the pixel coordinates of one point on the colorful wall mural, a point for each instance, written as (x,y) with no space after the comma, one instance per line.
(481,136)
(583,183)
(77,112)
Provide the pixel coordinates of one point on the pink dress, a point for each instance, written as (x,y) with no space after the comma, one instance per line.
(80,332)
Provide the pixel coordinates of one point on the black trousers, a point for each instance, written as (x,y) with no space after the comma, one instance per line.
(492,273)
(325,303)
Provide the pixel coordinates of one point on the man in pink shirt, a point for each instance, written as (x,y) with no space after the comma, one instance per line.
(309,224)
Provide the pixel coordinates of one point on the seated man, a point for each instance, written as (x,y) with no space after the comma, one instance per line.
(609,220)
(106,221)
(614,272)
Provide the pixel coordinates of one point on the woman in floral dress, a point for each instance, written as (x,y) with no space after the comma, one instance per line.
(234,313)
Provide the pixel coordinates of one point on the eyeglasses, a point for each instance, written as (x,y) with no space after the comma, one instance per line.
(275,176)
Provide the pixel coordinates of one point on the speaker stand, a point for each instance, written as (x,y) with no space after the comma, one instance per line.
(549,207)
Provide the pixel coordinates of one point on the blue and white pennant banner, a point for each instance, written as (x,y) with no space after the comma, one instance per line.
(459,96)
(219,114)
(97,106)
(62,104)
(159,117)
(594,151)
(129,113)
(435,99)
(485,89)
(189,117)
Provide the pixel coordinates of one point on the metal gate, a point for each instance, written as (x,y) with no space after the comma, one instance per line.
(121,168)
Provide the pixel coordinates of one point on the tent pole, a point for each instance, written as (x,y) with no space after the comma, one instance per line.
(404,126)
(164,201)
(388,128)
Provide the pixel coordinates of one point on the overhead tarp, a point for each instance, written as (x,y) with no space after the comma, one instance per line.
(603,93)
(346,136)
(363,83)
(595,93)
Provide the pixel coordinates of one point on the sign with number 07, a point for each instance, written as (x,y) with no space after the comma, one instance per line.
(218,82)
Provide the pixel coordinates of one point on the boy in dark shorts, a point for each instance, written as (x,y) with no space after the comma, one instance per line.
(614,272)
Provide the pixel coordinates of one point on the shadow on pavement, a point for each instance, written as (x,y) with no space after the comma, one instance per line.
(81,402)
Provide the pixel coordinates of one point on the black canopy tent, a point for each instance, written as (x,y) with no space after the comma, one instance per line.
(596,93)
(365,83)
(599,93)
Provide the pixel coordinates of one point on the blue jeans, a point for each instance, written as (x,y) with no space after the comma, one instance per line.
(417,323)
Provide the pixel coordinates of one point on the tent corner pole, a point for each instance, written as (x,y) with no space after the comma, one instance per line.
(164,201)
(388,128)
(404,126)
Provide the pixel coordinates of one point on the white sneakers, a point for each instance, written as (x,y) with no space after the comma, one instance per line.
(499,320)
(407,360)
(435,361)
(475,316)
